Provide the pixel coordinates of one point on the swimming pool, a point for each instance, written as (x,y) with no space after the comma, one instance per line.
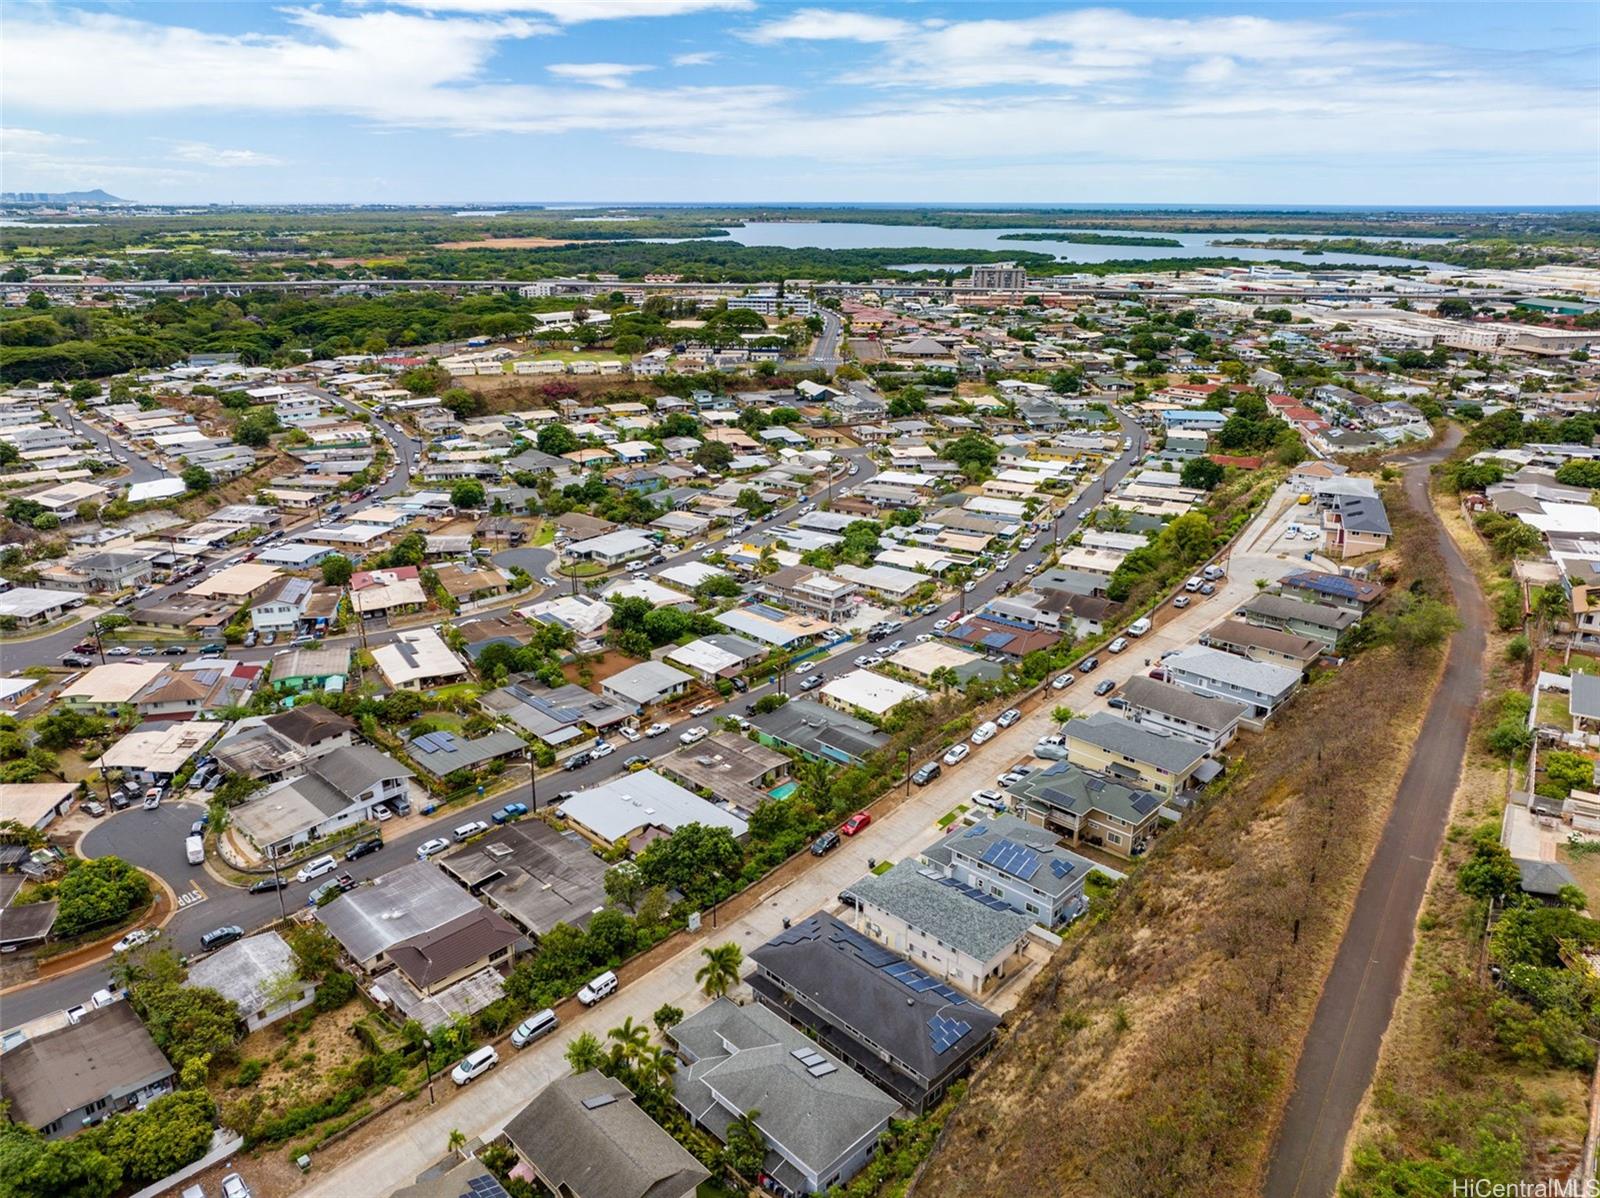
(784,791)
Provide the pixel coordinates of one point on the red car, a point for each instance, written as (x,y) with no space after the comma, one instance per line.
(855,823)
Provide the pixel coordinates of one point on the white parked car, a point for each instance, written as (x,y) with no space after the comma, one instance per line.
(700,709)
(468,830)
(134,939)
(1062,682)
(693,736)
(602,748)
(475,1064)
(429,847)
(382,813)
(233,1187)
(631,734)
(546,581)
(957,754)
(657,729)
(989,798)
(118,651)
(941,625)
(968,588)
(1118,645)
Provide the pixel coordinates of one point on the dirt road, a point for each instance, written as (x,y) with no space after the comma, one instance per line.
(1341,1050)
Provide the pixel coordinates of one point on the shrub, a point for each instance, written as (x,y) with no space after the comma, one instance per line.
(98,892)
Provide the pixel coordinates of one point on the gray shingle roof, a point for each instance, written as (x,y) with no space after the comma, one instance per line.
(587,1146)
(948,913)
(353,768)
(742,1059)
(1202,711)
(403,903)
(1320,615)
(1174,754)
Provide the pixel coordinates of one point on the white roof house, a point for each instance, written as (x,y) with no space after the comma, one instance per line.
(416,659)
(1260,685)
(631,802)
(862,690)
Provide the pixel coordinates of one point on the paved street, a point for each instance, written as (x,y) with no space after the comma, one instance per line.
(1341,1050)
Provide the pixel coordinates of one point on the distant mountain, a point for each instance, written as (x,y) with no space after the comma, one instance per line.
(97,196)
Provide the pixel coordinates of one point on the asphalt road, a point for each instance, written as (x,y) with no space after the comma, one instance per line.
(154,840)
(1341,1050)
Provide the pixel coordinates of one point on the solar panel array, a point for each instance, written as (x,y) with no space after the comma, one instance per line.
(946,1033)
(1062,869)
(975,830)
(484,1187)
(976,895)
(1145,802)
(1008,856)
(436,742)
(996,640)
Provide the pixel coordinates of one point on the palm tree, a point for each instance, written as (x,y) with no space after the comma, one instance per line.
(585,1053)
(720,973)
(655,1067)
(457,1139)
(631,1040)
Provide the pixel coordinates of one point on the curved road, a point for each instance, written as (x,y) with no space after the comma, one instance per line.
(1341,1051)
(154,840)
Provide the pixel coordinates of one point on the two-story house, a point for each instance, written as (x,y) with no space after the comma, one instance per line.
(1260,685)
(1141,756)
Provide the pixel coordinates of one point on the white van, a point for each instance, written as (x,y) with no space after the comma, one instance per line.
(984,732)
(1139,627)
(315,869)
(195,849)
(1194,584)
(1212,573)
(597,988)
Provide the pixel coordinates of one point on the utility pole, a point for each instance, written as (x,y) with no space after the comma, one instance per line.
(533,780)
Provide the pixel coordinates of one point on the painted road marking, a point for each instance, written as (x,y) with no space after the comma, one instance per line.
(191,898)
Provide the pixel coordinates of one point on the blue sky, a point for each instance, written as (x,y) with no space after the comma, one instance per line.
(404,101)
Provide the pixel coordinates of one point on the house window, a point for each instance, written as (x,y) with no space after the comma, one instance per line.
(1114,838)
(1032,910)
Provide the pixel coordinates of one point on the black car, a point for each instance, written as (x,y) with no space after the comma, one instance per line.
(74,661)
(740,685)
(1107,685)
(268,886)
(175,650)
(218,937)
(927,773)
(363,847)
(1088,665)
(825,843)
(577,761)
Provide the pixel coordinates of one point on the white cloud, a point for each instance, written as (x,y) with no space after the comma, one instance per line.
(601,74)
(821,24)
(571,12)
(395,69)
(698,58)
(216,157)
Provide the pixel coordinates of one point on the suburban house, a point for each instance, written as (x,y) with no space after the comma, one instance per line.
(558,716)
(721,655)
(584,615)
(1264,644)
(642,805)
(424,943)
(1260,685)
(259,975)
(418,660)
(1320,622)
(270,747)
(441,753)
(1315,586)
(1353,525)
(821,1122)
(612,548)
(37,804)
(819,733)
(813,591)
(583,1136)
(337,789)
(954,932)
(728,768)
(1211,723)
(280,608)
(909,1034)
(75,1076)
(387,592)
(1132,753)
(533,875)
(101,690)
(864,693)
(646,684)
(309,669)
(1008,860)
(154,753)
(1089,809)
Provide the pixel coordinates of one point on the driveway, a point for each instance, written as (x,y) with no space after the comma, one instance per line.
(1341,1049)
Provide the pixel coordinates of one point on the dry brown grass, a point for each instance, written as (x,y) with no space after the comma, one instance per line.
(1154,1054)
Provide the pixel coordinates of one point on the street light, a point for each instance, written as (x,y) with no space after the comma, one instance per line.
(427,1048)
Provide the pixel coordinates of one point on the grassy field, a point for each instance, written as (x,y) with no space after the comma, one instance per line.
(1169,1024)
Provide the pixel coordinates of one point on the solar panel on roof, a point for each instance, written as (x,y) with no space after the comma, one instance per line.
(1061,868)
(800,1054)
(975,830)
(1146,803)
(995,640)
(823,1069)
